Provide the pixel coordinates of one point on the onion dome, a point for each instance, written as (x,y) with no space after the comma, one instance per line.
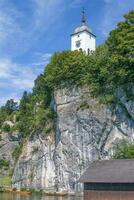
(83,26)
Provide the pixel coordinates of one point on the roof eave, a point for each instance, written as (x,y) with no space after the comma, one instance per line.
(108,182)
(83,31)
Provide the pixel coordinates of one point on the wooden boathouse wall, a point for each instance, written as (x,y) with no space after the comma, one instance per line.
(108,195)
(108,191)
(109,180)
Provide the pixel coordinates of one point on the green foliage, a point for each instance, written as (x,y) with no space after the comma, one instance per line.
(43,117)
(34,111)
(3,115)
(17,151)
(24,116)
(11,106)
(48,130)
(35,149)
(121,39)
(121,47)
(7,110)
(123,150)
(107,98)
(4,164)
(41,91)
(108,68)
(5,181)
(6,128)
(84,105)
(11,171)
(65,69)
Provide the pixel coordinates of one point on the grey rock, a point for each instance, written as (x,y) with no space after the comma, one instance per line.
(7,146)
(85,131)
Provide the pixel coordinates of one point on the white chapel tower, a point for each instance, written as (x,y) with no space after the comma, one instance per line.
(83,38)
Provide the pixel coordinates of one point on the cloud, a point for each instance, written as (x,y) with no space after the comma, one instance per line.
(16,74)
(41,59)
(24,28)
(15,78)
(4,99)
(5,68)
(19,28)
(46,12)
(113,12)
(10,29)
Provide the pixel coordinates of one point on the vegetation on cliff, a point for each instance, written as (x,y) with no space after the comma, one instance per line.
(123,150)
(109,67)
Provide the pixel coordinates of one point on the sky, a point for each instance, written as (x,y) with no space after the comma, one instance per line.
(32,30)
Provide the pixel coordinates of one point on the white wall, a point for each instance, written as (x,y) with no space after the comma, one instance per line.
(88,41)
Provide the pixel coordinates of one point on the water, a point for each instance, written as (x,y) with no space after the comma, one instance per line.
(4,196)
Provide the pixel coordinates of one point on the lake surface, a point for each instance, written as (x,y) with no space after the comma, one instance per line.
(4,196)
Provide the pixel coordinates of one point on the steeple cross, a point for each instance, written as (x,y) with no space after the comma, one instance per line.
(83,17)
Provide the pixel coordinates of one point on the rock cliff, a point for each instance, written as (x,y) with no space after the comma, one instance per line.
(85,130)
(7,146)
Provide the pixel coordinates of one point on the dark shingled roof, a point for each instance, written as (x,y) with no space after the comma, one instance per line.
(109,171)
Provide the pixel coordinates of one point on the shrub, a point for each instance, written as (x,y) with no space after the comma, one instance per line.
(35,149)
(123,150)
(4,164)
(17,151)
(5,181)
(84,105)
(47,130)
(6,128)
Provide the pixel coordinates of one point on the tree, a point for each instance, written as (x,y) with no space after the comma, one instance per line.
(11,106)
(121,40)
(123,150)
(120,44)
(5,111)
(112,64)
(65,69)
(41,91)
(24,100)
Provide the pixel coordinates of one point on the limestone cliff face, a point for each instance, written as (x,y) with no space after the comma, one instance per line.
(35,168)
(8,143)
(84,131)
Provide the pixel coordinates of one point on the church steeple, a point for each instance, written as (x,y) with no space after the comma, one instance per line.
(83,38)
(83,19)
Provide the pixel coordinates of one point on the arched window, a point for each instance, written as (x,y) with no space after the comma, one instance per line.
(78,43)
(80,49)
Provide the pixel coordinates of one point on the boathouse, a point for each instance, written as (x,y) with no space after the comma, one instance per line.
(109,180)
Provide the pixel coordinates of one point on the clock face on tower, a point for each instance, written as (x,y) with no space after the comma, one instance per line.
(78,43)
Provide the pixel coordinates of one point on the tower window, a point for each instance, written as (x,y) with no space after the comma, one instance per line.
(78,43)
(78,35)
(88,51)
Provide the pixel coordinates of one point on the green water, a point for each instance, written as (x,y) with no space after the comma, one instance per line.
(4,196)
